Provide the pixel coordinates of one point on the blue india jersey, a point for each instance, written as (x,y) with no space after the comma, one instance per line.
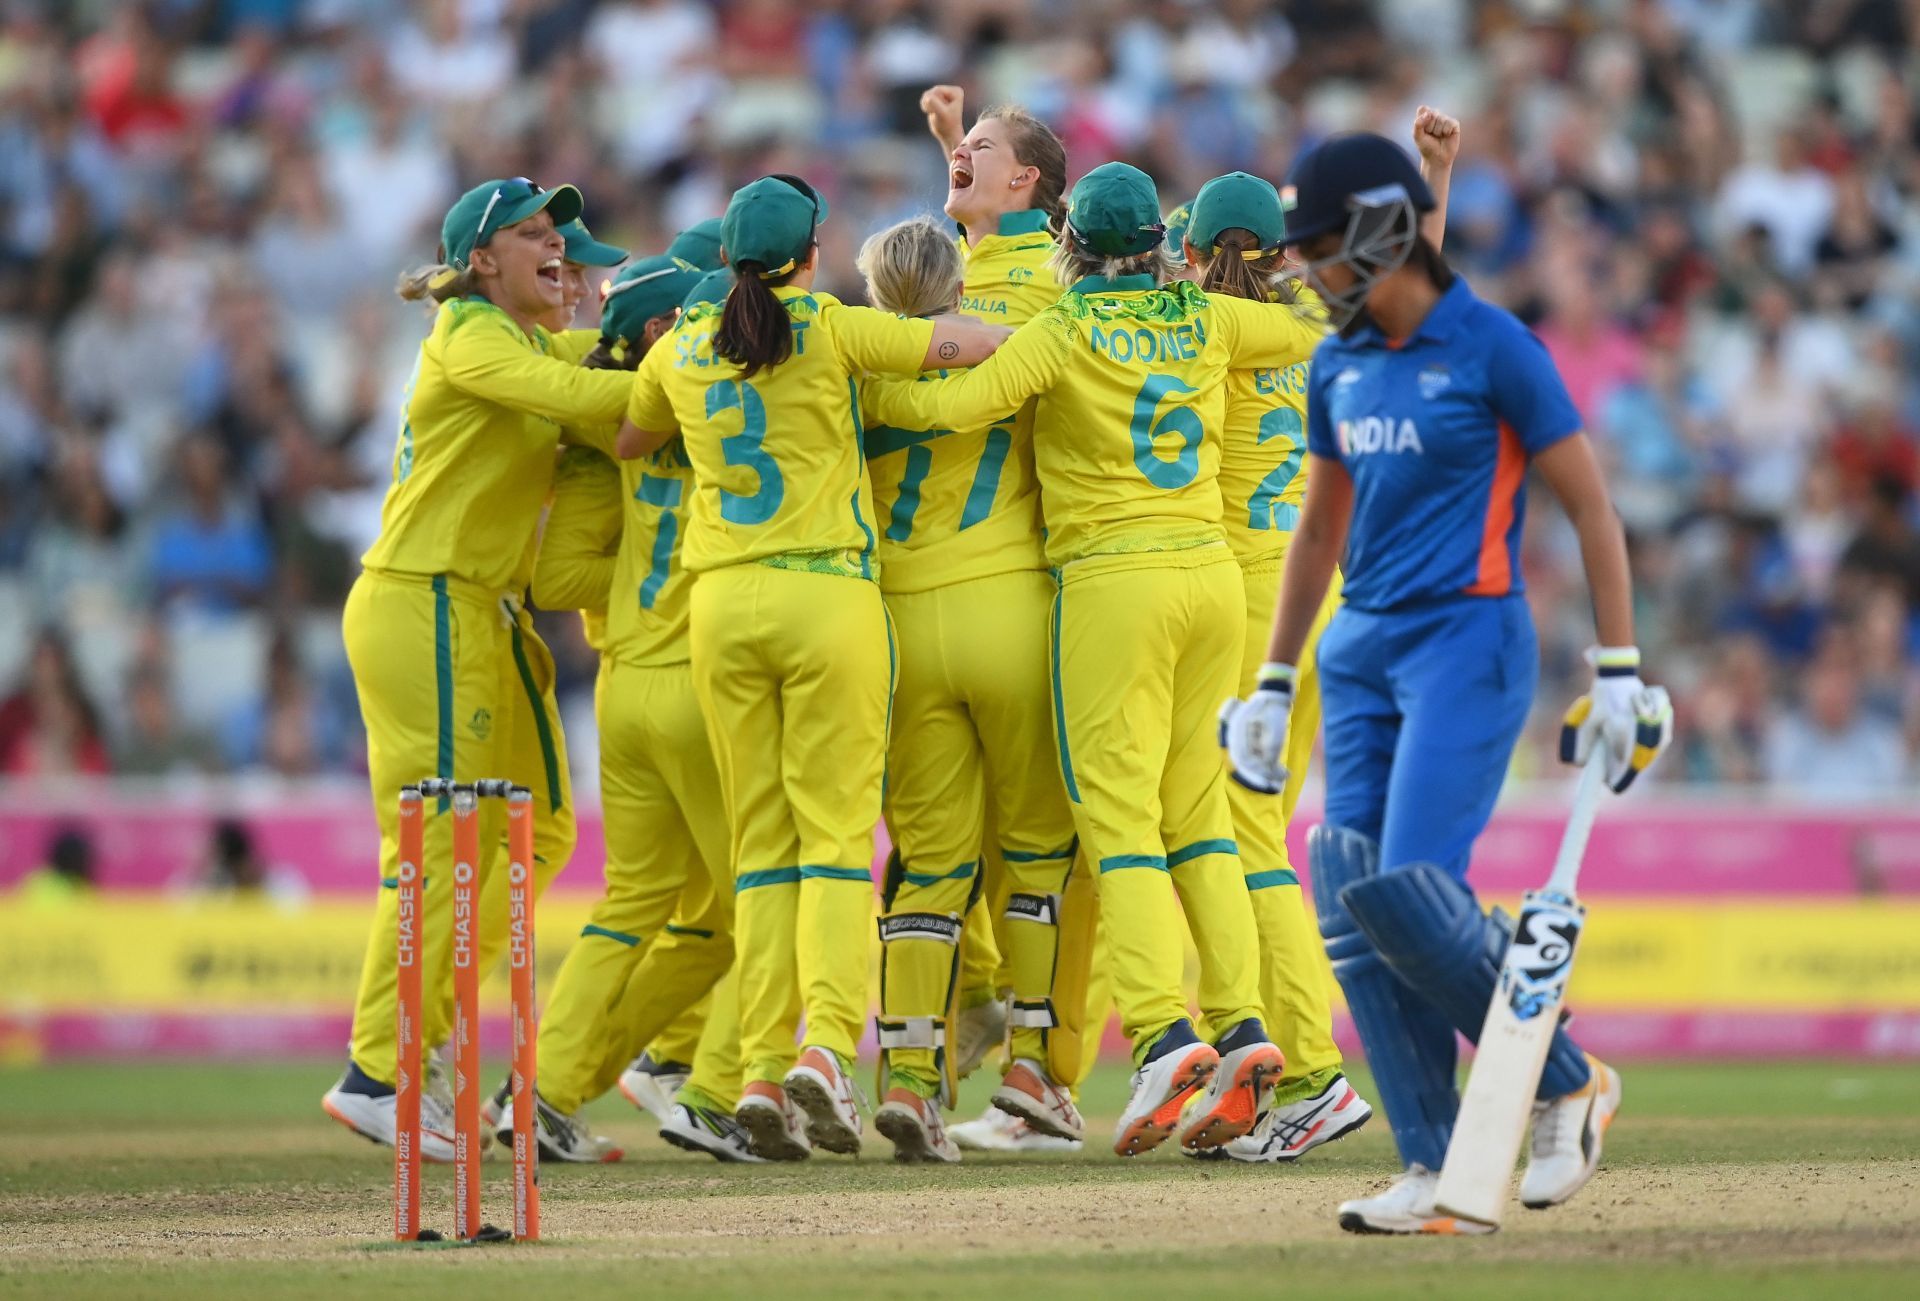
(1436,432)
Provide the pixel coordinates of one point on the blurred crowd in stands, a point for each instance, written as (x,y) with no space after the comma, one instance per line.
(1709,209)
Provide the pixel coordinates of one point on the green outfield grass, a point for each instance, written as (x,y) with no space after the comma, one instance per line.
(189,1180)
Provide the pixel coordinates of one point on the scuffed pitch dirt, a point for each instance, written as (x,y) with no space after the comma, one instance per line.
(1857,1211)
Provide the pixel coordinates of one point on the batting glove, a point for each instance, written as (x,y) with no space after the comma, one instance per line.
(1631,719)
(1253,731)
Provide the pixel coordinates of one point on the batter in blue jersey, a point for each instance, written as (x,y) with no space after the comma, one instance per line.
(1425,411)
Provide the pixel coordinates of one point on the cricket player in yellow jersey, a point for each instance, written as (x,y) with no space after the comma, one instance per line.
(691,1044)
(1007,179)
(1236,246)
(665,826)
(1130,373)
(427,633)
(967,586)
(538,758)
(793,660)
(1233,246)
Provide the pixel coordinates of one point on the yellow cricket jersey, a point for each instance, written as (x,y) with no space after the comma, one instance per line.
(1008,279)
(959,506)
(575,568)
(1132,387)
(648,618)
(780,477)
(952,506)
(1263,473)
(475,456)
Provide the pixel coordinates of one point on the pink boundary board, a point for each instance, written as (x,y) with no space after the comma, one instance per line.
(1670,845)
(1893,1036)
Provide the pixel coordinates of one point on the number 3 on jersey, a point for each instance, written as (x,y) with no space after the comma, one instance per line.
(1147,431)
(1263,512)
(744,449)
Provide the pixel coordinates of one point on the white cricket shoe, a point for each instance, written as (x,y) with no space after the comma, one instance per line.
(1406,1207)
(561,1137)
(1001,1131)
(776,1131)
(1160,1090)
(372,1117)
(1028,1092)
(694,1128)
(1235,1096)
(1291,1130)
(652,1086)
(1566,1139)
(977,1031)
(913,1125)
(819,1086)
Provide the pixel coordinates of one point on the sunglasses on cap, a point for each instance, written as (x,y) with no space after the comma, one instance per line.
(502,192)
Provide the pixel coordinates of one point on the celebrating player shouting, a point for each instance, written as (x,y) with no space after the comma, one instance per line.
(431,625)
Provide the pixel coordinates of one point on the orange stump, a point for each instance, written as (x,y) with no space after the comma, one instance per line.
(520,951)
(469,1139)
(406,1084)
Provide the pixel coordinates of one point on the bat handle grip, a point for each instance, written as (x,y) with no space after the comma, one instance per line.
(1586,803)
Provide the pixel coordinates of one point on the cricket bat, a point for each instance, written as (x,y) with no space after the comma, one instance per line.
(1478,1173)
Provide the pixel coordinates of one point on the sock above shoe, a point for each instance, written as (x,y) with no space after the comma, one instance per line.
(358,1081)
(1175,1037)
(1245,1035)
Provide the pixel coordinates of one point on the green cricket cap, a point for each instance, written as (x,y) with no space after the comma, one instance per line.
(583,248)
(488,208)
(712,287)
(771,222)
(1176,223)
(1238,199)
(642,290)
(699,244)
(1115,212)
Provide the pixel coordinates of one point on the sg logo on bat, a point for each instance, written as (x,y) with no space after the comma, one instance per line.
(1534,977)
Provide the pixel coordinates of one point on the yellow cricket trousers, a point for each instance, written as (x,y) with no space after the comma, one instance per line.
(448,681)
(1145,647)
(1293,965)
(971,751)
(794,671)
(666,850)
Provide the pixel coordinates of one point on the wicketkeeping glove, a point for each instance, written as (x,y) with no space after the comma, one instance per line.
(1631,719)
(1254,731)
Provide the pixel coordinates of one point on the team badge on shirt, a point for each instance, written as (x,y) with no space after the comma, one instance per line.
(1434,381)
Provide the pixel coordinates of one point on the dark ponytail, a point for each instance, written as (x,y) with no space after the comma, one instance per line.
(754,331)
(1228,272)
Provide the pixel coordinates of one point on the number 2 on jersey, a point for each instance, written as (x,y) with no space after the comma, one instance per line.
(1184,421)
(1263,512)
(744,449)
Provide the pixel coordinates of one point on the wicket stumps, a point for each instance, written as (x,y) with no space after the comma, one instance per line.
(470,1139)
